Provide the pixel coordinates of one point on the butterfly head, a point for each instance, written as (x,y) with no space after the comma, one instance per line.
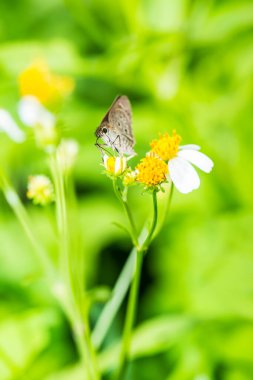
(102,130)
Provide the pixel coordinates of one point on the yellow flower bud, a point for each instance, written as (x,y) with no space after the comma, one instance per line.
(129,178)
(115,165)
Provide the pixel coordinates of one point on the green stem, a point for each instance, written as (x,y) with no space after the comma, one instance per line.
(122,284)
(130,316)
(133,296)
(148,240)
(128,213)
(166,211)
(77,311)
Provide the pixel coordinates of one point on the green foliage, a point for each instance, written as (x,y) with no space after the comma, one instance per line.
(186,65)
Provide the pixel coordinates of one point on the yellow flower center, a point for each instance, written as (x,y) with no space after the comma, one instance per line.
(166,146)
(38,81)
(110,164)
(115,165)
(151,171)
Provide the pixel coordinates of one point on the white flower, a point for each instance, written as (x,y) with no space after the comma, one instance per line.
(181,171)
(33,113)
(180,160)
(9,126)
(36,116)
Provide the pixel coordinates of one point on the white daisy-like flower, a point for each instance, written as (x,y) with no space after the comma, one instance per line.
(33,113)
(181,160)
(9,126)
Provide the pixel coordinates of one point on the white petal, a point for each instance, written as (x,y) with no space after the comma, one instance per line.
(118,164)
(189,146)
(198,159)
(8,125)
(105,158)
(183,175)
(32,113)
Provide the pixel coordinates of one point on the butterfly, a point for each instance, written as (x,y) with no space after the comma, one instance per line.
(116,128)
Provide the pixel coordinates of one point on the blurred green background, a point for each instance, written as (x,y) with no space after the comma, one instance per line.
(185,65)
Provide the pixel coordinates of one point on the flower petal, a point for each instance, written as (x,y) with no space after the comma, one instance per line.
(118,165)
(32,113)
(189,146)
(198,159)
(183,175)
(105,158)
(8,125)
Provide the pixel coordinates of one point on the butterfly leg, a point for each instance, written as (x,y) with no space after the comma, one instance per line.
(102,149)
(113,143)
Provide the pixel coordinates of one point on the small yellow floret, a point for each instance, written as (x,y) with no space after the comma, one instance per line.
(40,190)
(166,146)
(151,171)
(129,178)
(38,81)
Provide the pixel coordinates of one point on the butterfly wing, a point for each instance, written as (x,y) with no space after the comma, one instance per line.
(116,127)
(120,121)
(120,116)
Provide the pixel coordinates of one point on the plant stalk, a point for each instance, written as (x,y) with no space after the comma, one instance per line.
(78,312)
(133,296)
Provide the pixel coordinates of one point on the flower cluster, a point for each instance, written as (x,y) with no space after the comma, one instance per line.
(180,160)
(151,171)
(166,161)
(166,147)
(40,89)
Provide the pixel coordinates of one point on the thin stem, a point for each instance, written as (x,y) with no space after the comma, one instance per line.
(133,296)
(122,284)
(78,311)
(118,293)
(166,211)
(130,315)
(148,240)
(128,213)
(131,220)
